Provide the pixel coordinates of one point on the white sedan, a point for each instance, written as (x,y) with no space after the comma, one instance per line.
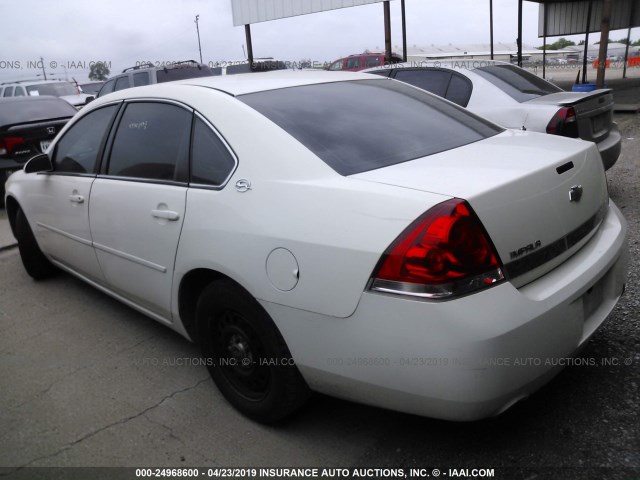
(515,98)
(341,233)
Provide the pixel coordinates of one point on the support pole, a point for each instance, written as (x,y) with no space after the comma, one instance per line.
(247,33)
(520,33)
(626,50)
(491,26)
(387,32)
(586,43)
(604,42)
(544,41)
(404,31)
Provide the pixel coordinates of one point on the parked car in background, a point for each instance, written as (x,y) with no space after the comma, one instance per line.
(149,74)
(27,127)
(360,61)
(515,98)
(387,254)
(32,88)
(91,88)
(267,64)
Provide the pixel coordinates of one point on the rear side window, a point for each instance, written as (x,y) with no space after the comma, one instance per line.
(434,81)
(239,68)
(372,61)
(336,65)
(121,83)
(459,90)
(353,62)
(152,142)
(402,124)
(181,73)
(140,79)
(211,161)
(516,82)
(77,151)
(8,92)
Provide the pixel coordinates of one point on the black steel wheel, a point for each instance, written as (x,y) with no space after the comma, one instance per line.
(247,357)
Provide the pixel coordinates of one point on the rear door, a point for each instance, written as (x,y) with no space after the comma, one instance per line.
(138,202)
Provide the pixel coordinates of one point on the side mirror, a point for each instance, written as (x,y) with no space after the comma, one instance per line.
(39,163)
(89,99)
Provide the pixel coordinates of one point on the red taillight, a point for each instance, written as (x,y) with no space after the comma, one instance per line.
(564,123)
(445,252)
(8,144)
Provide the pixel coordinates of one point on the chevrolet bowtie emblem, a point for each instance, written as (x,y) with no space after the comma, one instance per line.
(575,193)
(51,130)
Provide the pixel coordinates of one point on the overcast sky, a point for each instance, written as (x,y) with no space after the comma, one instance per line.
(69,33)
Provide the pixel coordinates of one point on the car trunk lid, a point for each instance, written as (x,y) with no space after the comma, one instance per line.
(594,111)
(519,185)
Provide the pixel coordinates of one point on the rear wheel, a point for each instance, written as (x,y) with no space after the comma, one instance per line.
(247,356)
(34,261)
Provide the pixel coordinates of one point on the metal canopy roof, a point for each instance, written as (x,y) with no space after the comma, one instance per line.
(569,17)
(246,12)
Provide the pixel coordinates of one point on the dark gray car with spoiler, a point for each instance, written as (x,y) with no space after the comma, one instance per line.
(27,127)
(516,98)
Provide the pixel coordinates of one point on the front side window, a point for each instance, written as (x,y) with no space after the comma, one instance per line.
(386,122)
(19,92)
(121,83)
(211,161)
(77,151)
(336,65)
(107,88)
(151,142)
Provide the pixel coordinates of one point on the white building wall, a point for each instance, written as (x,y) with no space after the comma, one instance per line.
(255,11)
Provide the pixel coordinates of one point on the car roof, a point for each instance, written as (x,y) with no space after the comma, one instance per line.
(256,82)
(32,82)
(244,83)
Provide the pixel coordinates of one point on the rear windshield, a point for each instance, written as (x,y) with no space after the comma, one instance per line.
(181,73)
(516,82)
(363,125)
(57,89)
(25,110)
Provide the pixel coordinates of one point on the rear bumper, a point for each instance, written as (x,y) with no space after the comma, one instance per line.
(468,358)
(610,147)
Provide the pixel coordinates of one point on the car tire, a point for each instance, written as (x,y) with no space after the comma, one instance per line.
(34,261)
(3,179)
(246,355)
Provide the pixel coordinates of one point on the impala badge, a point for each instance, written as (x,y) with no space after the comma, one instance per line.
(51,130)
(575,194)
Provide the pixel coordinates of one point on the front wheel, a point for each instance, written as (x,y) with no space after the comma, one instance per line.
(34,261)
(247,357)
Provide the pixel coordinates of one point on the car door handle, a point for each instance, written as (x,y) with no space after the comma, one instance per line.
(166,214)
(76,198)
